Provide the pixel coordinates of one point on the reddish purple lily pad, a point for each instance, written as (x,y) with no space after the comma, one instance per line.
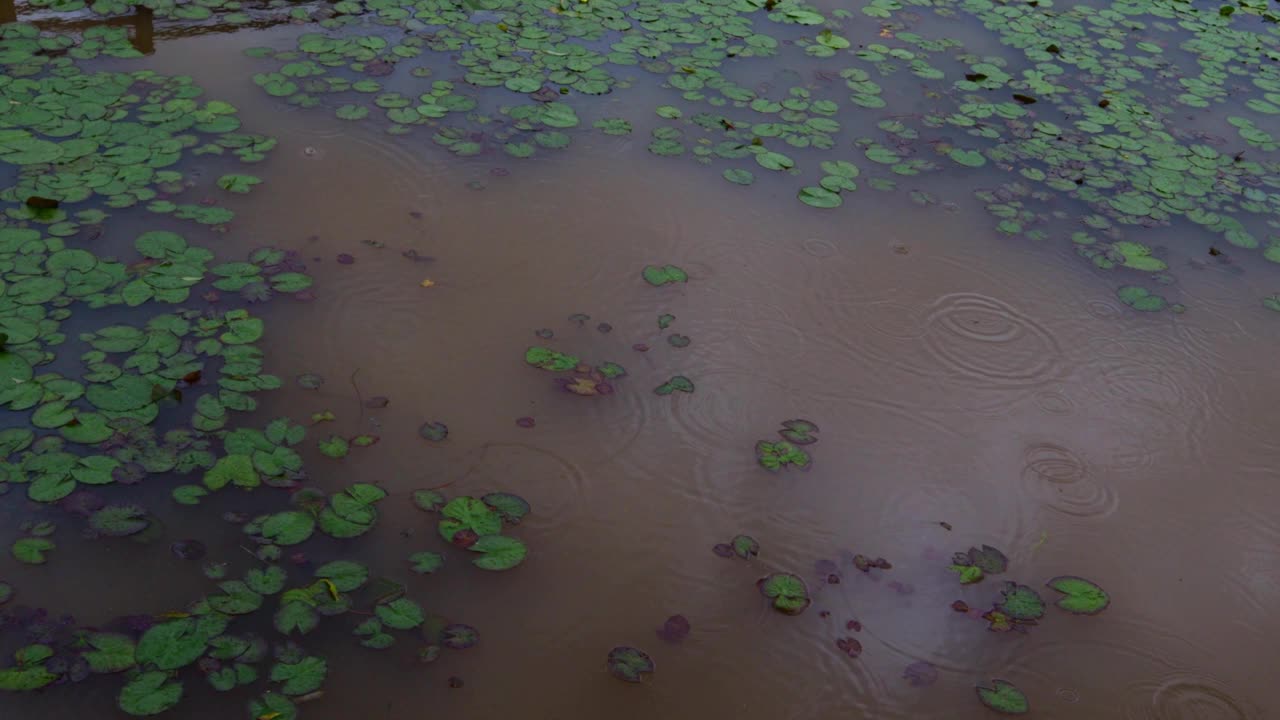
(724,550)
(525,422)
(675,629)
(850,646)
(188,550)
(799,432)
(346,259)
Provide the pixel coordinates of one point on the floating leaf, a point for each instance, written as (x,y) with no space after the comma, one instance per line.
(745,547)
(401,614)
(434,431)
(659,275)
(777,455)
(302,677)
(799,432)
(1020,602)
(788,592)
(629,664)
(1003,697)
(548,359)
(469,514)
(511,508)
(921,673)
(119,520)
(459,637)
(677,383)
(500,552)
(344,574)
(150,693)
(675,629)
(238,183)
(429,500)
(425,563)
(1081,596)
(31,550)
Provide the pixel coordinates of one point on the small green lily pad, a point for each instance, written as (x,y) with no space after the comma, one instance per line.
(788,592)
(1003,697)
(1081,597)
(659,275)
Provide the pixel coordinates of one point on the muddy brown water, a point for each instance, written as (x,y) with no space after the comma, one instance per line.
(957,376)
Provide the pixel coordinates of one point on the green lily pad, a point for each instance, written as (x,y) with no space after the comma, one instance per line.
(150,693)
(425,563)
(500,552)
(548,359)
(32,550)
(1003,697)
(300,678)
(788,592)
(1020,602)
(511,508)
(1081,596)
(470,514)
(401,614)
(238,183)
(659,275)
(677,383)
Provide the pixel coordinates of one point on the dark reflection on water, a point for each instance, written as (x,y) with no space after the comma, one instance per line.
(973,380)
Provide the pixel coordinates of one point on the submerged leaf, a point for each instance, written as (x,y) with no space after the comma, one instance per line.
(629,664)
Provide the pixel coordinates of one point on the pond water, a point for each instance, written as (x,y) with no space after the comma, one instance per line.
(1018,289)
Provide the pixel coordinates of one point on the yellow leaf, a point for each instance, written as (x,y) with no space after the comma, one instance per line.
(333,589)
(175,615)
(269,716)
(428,282)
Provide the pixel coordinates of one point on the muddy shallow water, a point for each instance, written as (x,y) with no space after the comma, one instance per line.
(971,388)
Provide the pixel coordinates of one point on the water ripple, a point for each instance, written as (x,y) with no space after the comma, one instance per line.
(989,342)
(1064,482)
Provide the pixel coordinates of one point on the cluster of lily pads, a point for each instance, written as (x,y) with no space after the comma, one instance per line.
(76,137)
(149,391)
(1018,608)
(787,452)
(1091,116)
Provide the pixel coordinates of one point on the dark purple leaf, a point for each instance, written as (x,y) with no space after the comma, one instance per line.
(675,629)
(465,538)
(346,259)
(640,347)
(499,172)
(256,292)
(545,333)
(82,503)
(799,432)
(379,68)
(853,625)
(960,606)
(525,422)
(724,550)
(130,474)
(604,328)
(459,637)
(377,402)
(455,682)
(188,550)
(921,673)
